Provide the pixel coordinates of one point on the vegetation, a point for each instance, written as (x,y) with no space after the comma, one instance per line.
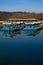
(6,15)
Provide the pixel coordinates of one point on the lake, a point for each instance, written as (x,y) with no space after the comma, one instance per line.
(21,47)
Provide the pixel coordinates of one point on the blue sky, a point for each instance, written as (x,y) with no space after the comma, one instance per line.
(21,5)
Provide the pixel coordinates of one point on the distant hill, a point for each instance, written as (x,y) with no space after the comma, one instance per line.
(6,15)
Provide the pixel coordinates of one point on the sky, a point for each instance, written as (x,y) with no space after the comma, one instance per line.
(21,5)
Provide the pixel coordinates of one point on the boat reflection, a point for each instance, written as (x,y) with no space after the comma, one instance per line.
(12,34)
(32,32)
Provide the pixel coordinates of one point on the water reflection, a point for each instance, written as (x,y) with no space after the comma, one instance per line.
(12,34)
(32,32)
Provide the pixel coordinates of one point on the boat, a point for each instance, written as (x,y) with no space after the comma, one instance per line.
(19,26)
(34,26)
(5,28)
(8,28)
(12,27)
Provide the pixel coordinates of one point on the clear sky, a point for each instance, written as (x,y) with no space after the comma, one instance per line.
(21,5)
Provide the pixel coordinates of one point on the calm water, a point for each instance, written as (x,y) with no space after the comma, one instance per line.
(21,47)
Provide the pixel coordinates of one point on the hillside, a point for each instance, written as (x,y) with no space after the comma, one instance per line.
(6,15)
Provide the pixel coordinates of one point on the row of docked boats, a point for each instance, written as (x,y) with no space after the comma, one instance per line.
(12,27)
(29,26)
(33,27)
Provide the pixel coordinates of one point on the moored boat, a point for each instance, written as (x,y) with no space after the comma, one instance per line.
(7,28)
(34,26)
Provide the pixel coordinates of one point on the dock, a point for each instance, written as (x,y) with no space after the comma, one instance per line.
(22,23)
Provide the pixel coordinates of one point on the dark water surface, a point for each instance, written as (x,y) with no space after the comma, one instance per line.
(21,47)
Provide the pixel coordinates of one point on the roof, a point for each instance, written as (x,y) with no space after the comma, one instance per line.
(22,19)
